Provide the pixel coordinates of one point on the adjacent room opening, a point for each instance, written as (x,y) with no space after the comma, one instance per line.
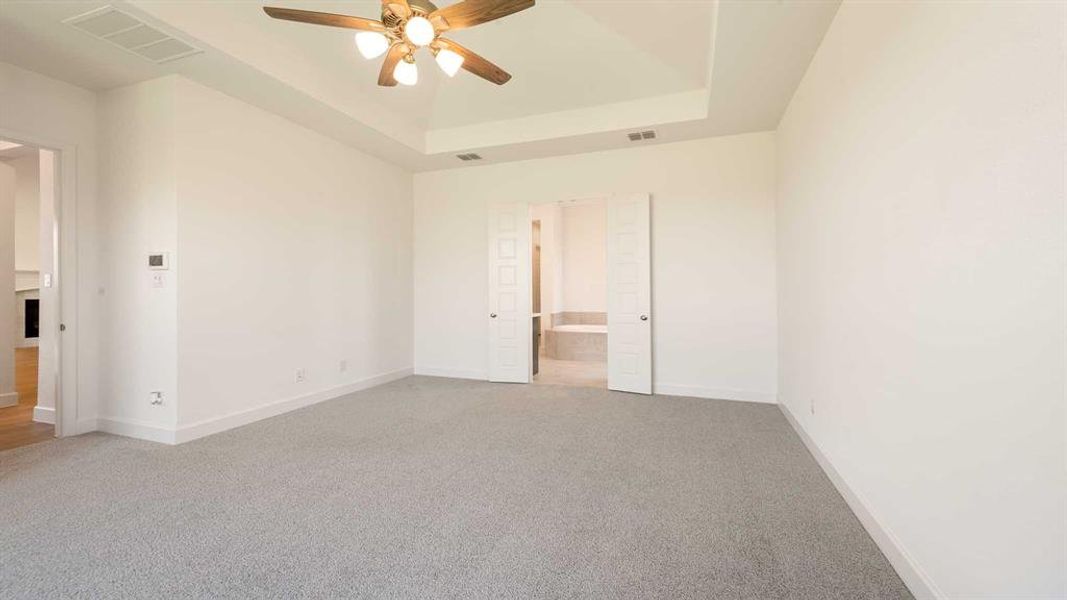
(569,292)
(27,349)
(594,291)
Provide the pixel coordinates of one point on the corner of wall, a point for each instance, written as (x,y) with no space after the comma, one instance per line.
(918,582)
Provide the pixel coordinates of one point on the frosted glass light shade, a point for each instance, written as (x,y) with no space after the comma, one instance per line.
(371,44)
(406,73)
(419,31)
(449,61)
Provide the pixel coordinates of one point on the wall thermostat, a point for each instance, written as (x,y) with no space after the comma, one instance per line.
(158,261)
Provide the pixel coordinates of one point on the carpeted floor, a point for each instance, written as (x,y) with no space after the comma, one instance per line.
(440,488)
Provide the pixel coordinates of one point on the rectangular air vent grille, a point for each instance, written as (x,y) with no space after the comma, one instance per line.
(637,136)
(127,32)
(468,156)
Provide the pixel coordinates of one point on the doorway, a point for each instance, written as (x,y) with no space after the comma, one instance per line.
(569,281)
(27,253)
(618,324)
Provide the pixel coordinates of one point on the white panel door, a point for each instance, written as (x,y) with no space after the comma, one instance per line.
(510,303)
(629,294)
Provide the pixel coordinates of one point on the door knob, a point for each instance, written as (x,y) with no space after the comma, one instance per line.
(644,317)
(492,315)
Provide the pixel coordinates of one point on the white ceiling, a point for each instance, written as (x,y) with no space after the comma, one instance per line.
(585,71)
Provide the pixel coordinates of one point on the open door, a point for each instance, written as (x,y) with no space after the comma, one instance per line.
(629,294)
(509,293)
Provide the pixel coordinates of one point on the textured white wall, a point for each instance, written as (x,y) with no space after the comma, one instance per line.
(46,355)
(7,285)
(287,251)
(27,212)
(138,194)
(295,252)
(585,256)
(921,276)
(713,290)
(551,273)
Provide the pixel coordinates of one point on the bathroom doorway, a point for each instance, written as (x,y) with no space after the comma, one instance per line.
(594,296)
(569,292)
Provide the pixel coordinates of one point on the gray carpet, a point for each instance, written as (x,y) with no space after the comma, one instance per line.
(439,488)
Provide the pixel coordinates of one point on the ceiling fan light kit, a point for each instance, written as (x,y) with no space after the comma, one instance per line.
(406,73)
(408,25)
(371,44)
(449,61)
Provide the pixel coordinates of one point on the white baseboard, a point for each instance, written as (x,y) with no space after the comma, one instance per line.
(43,414)
(913,576)
(453,373)
(214,425)
(9,399)
(670,389)
(85,426)
(658,388)
(136,429)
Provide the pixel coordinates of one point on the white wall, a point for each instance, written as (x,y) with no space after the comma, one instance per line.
(27,244)
(295,253)
(713,290)
(551,268)
(287,251)
(47,364)
(138,193)
(63,116)
(27,212)
(585,256)
(7,285)
(921,276)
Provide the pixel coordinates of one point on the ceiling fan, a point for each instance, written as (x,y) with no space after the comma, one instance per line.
(408,25)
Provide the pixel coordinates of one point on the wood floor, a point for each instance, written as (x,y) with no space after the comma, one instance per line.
(17,427)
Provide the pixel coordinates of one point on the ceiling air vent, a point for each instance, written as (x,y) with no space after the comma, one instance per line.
(468,156)
(637,136)
(127,32)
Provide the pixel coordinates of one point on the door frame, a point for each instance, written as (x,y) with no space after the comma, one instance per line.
(64,265)
(526,266)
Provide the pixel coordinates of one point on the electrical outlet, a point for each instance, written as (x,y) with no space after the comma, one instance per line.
(301,376)
(155,398)
(342,366)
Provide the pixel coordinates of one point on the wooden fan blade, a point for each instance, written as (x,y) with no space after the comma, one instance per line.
(321,18)
(400,8)
(396,53)
(475,12)
(475,63)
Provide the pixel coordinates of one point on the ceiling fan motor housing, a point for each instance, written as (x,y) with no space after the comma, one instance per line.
(419,7)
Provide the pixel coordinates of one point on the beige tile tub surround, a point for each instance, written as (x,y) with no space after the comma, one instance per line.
(577,345)
(579,318)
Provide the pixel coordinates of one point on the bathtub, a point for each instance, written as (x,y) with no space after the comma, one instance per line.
(574,341)
(582,328)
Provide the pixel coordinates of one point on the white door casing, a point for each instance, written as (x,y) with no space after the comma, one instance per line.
(509,316)
(629,294)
